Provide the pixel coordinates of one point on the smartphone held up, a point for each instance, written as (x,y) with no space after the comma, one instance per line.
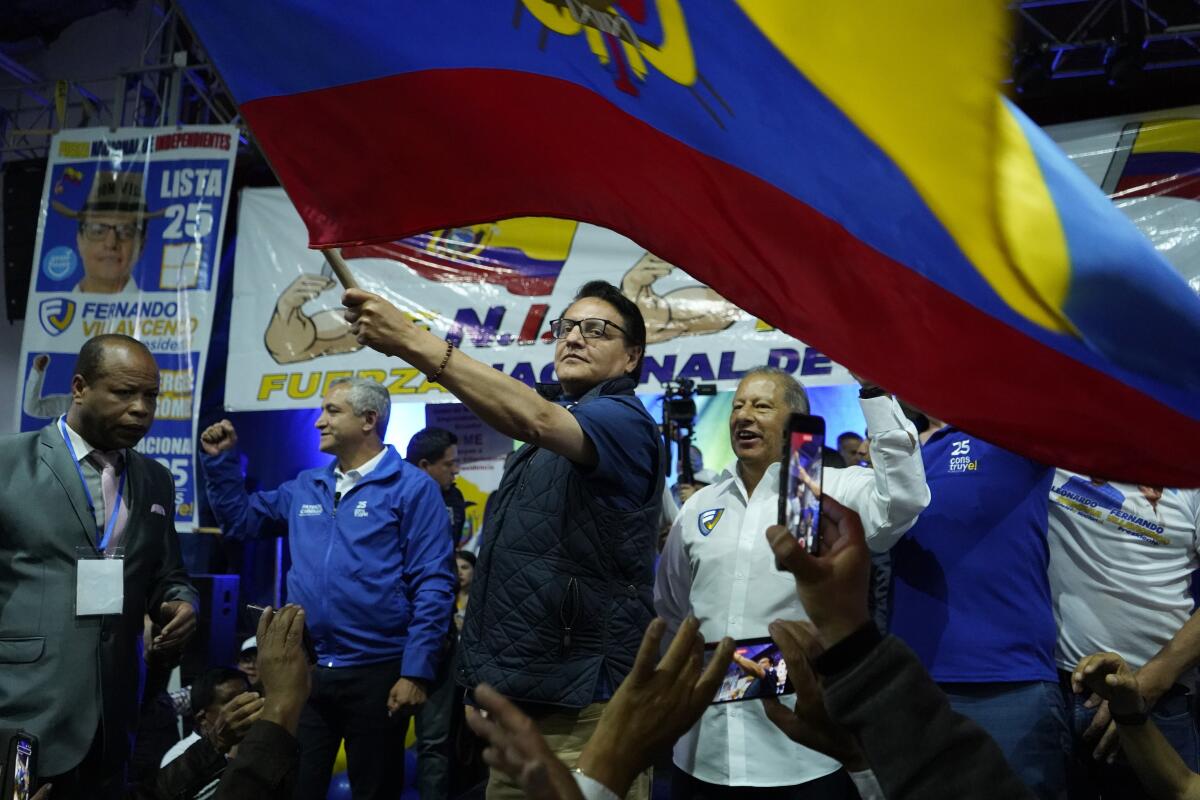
(801,471)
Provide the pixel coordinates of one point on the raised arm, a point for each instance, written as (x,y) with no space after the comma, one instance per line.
(503,402)
(876,687)
(890,497)
(242,515)
(33,403)
(292,335)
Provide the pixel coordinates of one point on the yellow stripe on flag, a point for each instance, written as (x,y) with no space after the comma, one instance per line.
(922,82)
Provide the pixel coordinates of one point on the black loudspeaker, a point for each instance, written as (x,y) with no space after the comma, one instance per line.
(23,182)
(215,642)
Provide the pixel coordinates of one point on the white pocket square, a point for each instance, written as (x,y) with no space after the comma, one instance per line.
(157,509)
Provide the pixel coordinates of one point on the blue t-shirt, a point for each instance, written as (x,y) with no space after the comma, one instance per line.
(626,442)
(970,589)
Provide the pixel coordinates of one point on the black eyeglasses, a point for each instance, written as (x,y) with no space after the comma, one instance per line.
(96,231)
(590,328)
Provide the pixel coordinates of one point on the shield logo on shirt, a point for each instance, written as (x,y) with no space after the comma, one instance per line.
(709,519)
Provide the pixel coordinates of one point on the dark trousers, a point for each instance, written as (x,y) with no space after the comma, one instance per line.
(1028,720)
(90,780)
(435,724)
(835,786)
(351,703)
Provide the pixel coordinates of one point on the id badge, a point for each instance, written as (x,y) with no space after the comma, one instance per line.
(99,582)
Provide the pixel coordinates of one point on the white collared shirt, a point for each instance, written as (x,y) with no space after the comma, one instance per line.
(91,474)
(726,576)
(82,447)
(347,480)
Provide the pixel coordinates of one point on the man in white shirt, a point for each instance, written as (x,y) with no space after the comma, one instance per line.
(1121,564)
(718,565)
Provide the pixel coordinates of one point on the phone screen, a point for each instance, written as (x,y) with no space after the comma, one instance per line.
(802,500)
(757,671)
(23,770)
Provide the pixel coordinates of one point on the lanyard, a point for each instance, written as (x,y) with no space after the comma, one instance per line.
(116,509)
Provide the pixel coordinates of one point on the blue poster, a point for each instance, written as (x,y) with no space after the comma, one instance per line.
(129,241)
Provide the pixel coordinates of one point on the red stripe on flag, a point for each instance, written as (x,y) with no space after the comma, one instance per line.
(376,160)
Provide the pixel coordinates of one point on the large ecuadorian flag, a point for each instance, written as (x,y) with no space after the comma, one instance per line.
(847,171)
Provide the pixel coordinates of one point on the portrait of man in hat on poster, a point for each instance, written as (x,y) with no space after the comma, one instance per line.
(111,231)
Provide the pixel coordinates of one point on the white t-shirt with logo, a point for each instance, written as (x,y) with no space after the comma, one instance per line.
(1120,567)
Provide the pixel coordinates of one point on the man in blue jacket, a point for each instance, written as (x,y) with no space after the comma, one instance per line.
(372,565)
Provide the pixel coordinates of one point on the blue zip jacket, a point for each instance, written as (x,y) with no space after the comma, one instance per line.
(375,575)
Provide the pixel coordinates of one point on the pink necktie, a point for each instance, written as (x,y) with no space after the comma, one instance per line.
(110,463)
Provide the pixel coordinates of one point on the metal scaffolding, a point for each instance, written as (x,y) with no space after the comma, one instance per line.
(1118,40)
(172,85)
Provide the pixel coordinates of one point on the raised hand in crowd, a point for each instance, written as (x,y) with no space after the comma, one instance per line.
(832,583)
(517,747)
(874,686)
(283,667)
(234,720)
(1158,766)
(653,706)
(218,437)
(808,722)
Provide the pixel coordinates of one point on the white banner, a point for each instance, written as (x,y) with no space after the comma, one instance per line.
(1149,164)
(492,289)
(129,241)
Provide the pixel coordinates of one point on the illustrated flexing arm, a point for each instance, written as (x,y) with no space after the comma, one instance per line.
(692,310)
(33,403)
(294,336)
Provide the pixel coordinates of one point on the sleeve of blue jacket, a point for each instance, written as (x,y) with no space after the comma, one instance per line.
(428,579)
(243,515)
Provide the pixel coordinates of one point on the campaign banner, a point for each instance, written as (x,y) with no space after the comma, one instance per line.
(492,289)
(129,242)
(1149,166)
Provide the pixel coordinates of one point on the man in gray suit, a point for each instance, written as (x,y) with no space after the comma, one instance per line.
(74,497)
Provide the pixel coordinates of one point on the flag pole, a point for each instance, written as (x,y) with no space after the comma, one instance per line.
(334,256)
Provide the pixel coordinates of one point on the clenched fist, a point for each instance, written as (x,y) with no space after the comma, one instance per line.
(218,437)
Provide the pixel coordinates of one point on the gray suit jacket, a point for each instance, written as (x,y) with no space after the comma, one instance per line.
(62,676)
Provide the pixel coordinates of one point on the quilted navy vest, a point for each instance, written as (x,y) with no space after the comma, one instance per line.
(563,588)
